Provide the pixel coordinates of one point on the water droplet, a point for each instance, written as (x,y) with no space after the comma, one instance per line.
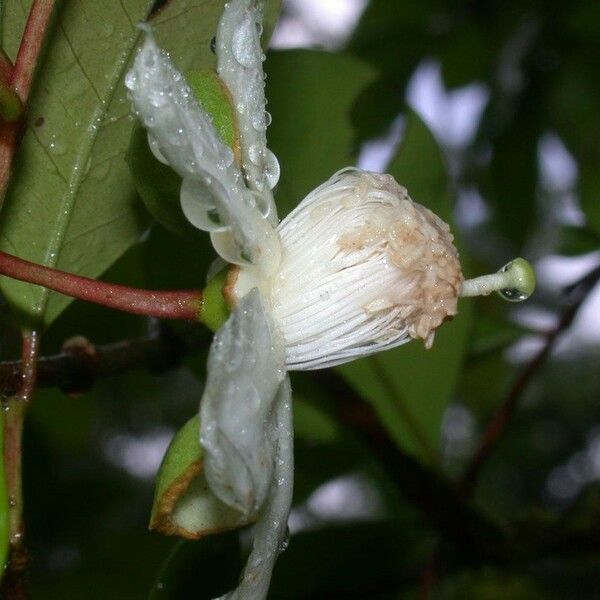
(155,149)
(255,154)
(285,542)
(272,169)
(228,156)
(57,147)
(258,201)
(198,202)
(242,44)
(259,121)
(213,45)
(513,295)
(157,98)
(130,80)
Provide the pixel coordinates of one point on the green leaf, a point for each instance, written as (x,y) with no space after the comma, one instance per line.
(311,95)
(72,203)
(200,569)
(183,504)
(576,240)
(409,386)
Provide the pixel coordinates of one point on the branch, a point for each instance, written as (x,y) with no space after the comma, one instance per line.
(181,304)
(428,490)
(80,364)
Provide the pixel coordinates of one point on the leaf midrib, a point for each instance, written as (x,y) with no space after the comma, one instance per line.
(84,154)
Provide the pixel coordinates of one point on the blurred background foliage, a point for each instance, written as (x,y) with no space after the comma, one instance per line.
(489,112)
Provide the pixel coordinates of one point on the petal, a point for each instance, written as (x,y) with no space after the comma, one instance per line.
(270,530)
(245,368)
(240,59)
(214,196)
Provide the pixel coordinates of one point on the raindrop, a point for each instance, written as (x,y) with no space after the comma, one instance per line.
(513,295)
(199,201)
(258,121)
(255,154)
(242,46)
(285,542)
(157,98)
(262,204)
(272,169)
(130,80)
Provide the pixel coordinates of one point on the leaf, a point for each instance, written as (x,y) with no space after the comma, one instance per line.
(409,386)
(311,95)
(183,504)
(72,203)
(200,569)
(575,240)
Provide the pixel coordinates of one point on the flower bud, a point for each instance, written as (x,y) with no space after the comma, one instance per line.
(363,269)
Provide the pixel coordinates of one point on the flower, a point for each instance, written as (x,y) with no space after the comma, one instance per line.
(356,268)
(363,269)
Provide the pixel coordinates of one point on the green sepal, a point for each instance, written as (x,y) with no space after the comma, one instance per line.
(216,100)
(215,310)
(183,503)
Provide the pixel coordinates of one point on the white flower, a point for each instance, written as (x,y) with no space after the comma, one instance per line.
(357,268)
(363,269)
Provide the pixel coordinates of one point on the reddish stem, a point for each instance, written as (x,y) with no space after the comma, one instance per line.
(13,585)
(180,304)
(21,79)
(31,46)
(6,68)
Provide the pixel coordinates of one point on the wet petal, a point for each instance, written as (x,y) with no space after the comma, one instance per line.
(240,59)
(239,423)
(214,196)
(270,530)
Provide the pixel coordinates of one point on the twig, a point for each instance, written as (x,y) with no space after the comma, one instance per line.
(80,364)
(21,79)
(181,304)
(13,585)
(31,45)
(500,420)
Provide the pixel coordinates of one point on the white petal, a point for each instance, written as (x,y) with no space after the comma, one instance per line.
(214,196)
(271,528)
(245,368)
(240,59)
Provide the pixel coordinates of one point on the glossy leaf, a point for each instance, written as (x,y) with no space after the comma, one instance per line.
(311,95)
(409,386)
